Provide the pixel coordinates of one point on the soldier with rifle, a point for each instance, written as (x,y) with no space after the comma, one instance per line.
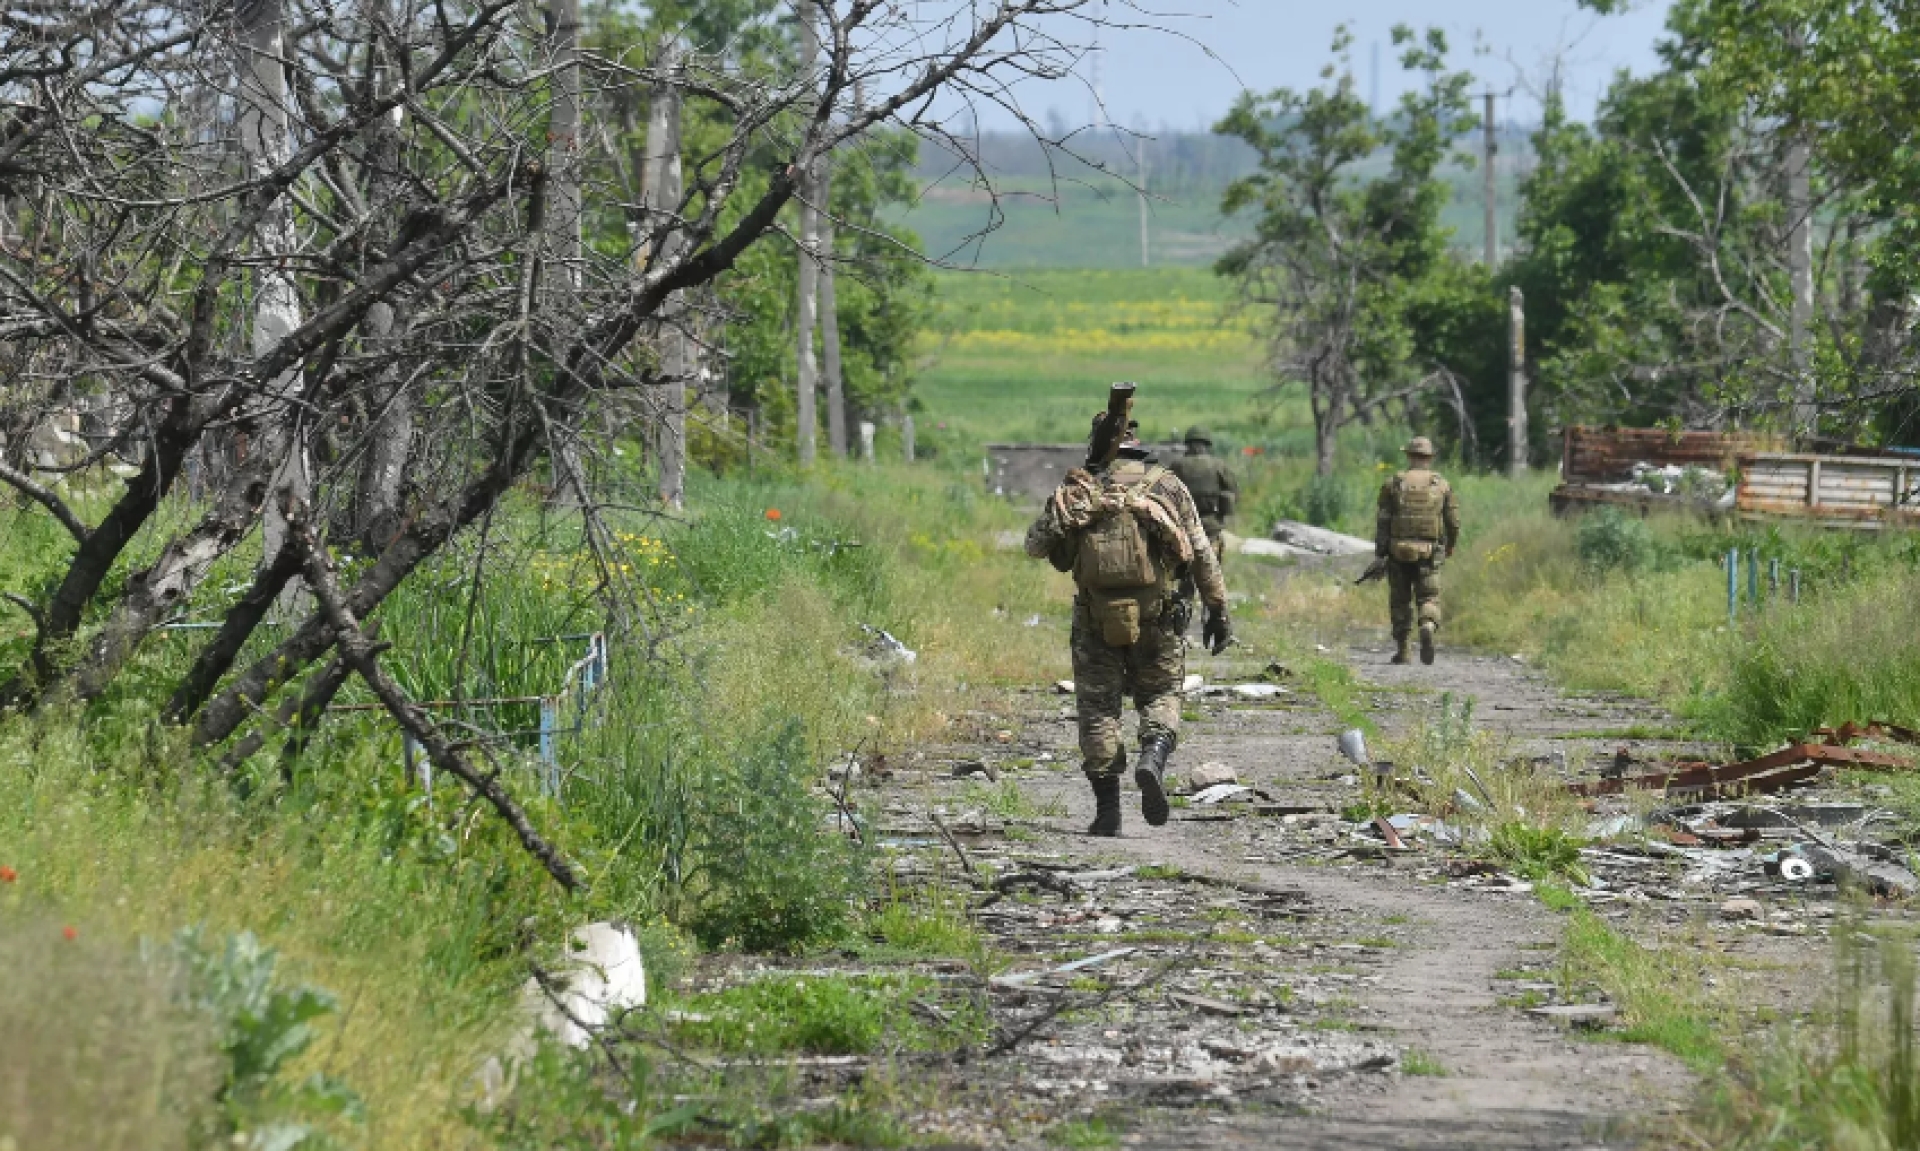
(1416,528)
(1128,531)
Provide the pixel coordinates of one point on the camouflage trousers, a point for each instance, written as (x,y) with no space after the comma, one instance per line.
(1413,588)
(1151,671)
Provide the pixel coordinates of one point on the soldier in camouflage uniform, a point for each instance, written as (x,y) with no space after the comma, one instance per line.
(1128,630)
(1416,529)
(1211,484)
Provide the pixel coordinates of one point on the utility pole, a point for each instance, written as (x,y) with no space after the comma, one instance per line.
(1516,384)
(1492,182)
(1140,169)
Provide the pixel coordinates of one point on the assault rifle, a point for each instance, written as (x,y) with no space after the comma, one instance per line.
(1112,428)
(1375,570)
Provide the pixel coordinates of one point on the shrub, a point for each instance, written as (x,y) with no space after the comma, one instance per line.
(770,874)
(1326,500)
(1611,540)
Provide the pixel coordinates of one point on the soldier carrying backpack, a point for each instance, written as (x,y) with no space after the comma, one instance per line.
(1128,531)
(1415,530)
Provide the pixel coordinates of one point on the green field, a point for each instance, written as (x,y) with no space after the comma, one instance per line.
(1094,222)
(1028,355)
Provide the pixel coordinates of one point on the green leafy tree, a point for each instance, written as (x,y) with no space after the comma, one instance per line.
(1339,255)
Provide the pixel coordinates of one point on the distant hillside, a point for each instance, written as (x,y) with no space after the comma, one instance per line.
(1083,214)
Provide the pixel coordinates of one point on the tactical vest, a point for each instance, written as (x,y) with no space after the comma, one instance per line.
(1116,565)
(1419,514)
(1202,477)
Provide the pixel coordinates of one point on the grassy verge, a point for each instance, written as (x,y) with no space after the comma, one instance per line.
(691,799)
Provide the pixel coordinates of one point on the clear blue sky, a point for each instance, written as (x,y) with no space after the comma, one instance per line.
(1154,79)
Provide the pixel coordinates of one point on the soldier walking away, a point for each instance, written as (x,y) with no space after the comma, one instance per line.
(1211,484)
(1417,528)
(1127,529)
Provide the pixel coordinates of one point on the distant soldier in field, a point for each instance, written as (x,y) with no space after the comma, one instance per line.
(1211,484)
(1417,528)
(1127,529)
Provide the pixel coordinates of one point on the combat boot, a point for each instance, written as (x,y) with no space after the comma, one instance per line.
(1426,642)
(1404,646)
(1149,772)
(1106,806)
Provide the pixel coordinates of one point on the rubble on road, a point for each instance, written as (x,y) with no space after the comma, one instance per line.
(1210,773)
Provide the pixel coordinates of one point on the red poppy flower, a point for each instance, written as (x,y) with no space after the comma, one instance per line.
(773,513)
(70,933)
(8,875)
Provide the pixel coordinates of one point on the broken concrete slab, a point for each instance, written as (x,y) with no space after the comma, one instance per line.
(1320,541)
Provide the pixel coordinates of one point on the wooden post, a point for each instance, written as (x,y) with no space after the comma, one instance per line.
(1516,384)
(806,370)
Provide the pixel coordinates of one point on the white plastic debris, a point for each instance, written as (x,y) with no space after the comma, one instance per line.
(1064,687)
(1259,691)
(1192,684)
(601,975)
(1219,791)
(886,649)
(1353,745)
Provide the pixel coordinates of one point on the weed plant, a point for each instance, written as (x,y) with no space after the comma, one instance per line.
(1849,1080)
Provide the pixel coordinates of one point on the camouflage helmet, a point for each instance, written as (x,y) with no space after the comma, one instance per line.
(1199,435)
(1419,446)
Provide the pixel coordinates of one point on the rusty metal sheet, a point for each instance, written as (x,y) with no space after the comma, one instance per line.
(1606,455)
(1873,729)
(1386,829)
(1770,772)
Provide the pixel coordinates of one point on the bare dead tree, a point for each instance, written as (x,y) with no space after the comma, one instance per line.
(336,240)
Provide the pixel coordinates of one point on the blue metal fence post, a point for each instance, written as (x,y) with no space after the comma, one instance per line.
(1733,586)
(1793,584)
(1773,577)
(549,720)
(1753,577)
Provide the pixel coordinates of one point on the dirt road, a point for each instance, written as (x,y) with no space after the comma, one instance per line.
(1273,982)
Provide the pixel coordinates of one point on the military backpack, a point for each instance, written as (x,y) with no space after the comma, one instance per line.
(1117,566)
(1419,510)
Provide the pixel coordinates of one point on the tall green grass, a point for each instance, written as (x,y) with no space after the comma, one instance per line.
(692,798)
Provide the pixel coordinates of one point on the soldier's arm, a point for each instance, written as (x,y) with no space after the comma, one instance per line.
(1230,488)
(1450,511)
(1206,566)
(1045,534)
(1383,521)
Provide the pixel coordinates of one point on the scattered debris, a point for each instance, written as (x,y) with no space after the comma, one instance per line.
(1795,764)
(1218,792)
(1027,977)
(1064,687)
(1881,876)
(1211,773)
(883,648)
(1575,1014)
(1207,1004)
(1741,909)
(1191,684)
(1353,745)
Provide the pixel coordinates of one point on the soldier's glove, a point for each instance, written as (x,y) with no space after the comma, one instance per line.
(1217,633)
(1179,615)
